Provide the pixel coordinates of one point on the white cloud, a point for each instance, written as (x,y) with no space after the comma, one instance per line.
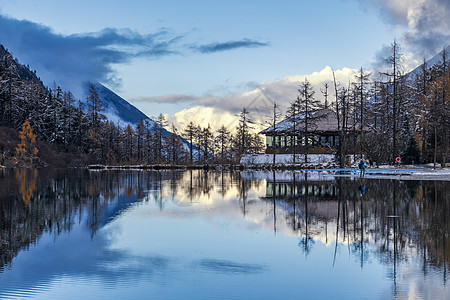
(222,110)
(203,116)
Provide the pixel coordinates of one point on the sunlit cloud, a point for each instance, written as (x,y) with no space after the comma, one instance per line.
(257,99)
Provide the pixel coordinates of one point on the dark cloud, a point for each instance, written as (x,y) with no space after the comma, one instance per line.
(426,45)
(70,60)
(427,23)
(230,45)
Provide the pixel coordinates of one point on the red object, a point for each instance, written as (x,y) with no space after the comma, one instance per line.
(398,159)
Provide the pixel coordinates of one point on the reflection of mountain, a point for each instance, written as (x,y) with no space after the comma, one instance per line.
(57,200)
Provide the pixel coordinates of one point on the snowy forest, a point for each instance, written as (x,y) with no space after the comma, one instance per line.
(387,115)
(48,126)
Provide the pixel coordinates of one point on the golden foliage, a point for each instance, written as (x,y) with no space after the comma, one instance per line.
(27,183)
(26,151)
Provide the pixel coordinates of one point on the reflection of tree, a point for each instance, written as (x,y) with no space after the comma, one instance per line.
(243,187)
(61,199)
(402,219)
(306,241)
(27,180)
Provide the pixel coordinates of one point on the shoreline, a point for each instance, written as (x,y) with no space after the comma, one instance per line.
(403,172)
(406,172)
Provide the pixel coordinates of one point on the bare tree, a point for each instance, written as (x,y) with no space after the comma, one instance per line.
(362,93)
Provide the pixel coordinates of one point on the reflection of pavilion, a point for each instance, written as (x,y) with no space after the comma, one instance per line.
(317,189)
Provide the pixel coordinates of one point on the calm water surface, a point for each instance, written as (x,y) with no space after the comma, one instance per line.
(71,234)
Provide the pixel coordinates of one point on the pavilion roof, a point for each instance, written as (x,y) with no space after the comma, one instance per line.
(322,120)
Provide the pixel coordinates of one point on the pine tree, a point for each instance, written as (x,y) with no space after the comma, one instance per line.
(158,131)
(307,105)
(205,141)
(223,142)
(128,139)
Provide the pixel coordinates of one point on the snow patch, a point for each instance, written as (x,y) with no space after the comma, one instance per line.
(286,159)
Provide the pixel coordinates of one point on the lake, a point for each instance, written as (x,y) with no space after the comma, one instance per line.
(131,234)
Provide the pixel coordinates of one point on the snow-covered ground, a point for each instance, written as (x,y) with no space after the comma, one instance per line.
(351,173)
(327,167)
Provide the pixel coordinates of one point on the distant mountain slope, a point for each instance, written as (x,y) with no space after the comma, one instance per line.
(430,62)
(116,108)
(119,110)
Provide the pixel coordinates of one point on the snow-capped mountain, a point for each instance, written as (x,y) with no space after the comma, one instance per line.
(116,108)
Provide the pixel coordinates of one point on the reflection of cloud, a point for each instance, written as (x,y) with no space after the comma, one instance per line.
(230,267)
(80,256)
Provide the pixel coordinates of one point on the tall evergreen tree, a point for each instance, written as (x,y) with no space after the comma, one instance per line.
(223,143)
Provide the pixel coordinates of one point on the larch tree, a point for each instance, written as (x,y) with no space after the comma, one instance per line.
(175,148)
(243,133)
(94,108)
(275,117)
(325,94)
(337,110)
(361,85)
(189,134)
(394,76)
(292,114)
(26,151)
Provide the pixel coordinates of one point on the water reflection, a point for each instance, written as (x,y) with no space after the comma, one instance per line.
(402,218)
(393,223)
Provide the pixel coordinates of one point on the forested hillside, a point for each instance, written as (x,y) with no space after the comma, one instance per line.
(64,131)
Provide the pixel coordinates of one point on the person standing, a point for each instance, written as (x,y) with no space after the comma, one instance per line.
(362,168)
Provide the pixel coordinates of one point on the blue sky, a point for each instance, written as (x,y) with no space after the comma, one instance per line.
(172,56)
